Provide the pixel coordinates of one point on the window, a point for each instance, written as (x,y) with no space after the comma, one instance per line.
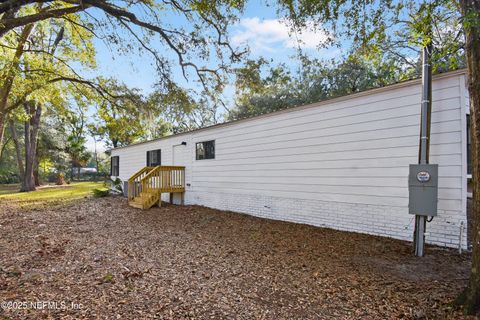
(205,150)
(154,158)
(115,166)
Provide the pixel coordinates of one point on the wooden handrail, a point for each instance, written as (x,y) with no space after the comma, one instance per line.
(165,179)
(146,186)
(156,179)
(135,181)
(139,172)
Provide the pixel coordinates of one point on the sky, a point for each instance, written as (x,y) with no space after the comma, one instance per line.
(259,28)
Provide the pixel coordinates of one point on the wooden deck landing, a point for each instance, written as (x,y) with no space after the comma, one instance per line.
(146,186)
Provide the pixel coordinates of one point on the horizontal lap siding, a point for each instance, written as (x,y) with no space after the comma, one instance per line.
(133,158)
(351,142)
(342,164)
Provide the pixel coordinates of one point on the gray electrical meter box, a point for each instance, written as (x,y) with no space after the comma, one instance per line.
(423,189)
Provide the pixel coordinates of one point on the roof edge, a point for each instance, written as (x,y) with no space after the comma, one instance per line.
(350,96)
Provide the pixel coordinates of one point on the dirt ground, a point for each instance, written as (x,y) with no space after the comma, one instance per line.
(100,259)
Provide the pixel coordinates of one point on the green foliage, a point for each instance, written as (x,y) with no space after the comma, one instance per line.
(43,62)
(391,28)
(8,166)
(261,88)
(384,37)
(119,119)
(114,185)
(101,193)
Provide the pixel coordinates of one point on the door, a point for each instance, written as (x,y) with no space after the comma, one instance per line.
(179,155)
(179,158)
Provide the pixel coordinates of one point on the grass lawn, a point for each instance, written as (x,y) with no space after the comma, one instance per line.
(48,195)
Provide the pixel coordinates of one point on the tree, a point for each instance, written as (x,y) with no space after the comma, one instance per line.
(261,88)
(256,94)
(8,164)
(51,155)
(92,130)
(10,68)
(18,149)
(119,120)
(380,26)
(32,125)
(193,47)
(174,110)
(74,127)
(470,10)
(36,79)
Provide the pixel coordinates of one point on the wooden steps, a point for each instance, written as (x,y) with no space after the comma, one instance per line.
(145,200)
(145,187)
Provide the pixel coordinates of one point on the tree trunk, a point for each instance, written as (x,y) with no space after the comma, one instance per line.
(7,80)
(36,175)
(60,179)
(96,158)
(2,133)
(470,10)
(28,182)
(18,151)
(31,134)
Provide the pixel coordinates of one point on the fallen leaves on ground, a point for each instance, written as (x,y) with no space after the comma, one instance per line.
(176,262)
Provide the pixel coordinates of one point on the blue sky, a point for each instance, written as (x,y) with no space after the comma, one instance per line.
(259,28)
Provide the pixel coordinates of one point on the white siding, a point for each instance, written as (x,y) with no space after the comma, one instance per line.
(341,164)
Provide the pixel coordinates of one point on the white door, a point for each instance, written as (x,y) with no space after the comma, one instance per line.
(179,158)
(179,155)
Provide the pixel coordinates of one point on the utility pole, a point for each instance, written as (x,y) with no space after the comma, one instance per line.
(424,154)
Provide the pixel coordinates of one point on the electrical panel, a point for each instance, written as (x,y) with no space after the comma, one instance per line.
(423,189)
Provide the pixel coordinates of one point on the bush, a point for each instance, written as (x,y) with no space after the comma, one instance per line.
(115,186)
(8,177)
(101,193)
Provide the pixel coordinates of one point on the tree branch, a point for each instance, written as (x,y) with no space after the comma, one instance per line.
(10,23)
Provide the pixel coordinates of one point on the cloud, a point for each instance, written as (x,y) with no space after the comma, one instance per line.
(268,34)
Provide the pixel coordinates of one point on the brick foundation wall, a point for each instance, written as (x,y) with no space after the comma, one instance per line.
(388,221)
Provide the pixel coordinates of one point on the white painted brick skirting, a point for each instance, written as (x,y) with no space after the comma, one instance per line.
(388,221)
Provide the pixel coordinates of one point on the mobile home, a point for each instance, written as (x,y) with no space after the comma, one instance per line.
(341,163)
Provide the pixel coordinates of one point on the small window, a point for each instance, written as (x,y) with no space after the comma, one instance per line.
(205,150)
(154,158)
(115,166)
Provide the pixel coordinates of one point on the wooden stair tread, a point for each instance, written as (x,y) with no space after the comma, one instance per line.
(136,205)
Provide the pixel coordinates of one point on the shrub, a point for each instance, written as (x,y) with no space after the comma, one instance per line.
(115,186)
(101,193)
